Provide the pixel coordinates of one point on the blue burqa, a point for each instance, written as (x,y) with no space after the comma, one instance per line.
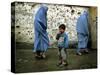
(82,30)
(41,41)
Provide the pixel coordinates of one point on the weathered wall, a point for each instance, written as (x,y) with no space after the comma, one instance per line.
(93,27)
(56,15)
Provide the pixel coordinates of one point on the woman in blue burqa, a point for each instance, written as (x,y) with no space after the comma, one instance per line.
(82,33)
(41,41)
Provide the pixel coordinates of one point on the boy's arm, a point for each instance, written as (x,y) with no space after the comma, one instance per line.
(57,36)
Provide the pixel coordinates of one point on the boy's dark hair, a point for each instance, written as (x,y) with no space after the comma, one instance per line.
(62,26)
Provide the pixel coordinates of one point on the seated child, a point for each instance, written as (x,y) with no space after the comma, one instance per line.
(62,40)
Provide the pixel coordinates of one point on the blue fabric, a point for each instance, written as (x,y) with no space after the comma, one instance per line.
(82,41)
(82,24)
(63,40)
(82,31)
(41,41)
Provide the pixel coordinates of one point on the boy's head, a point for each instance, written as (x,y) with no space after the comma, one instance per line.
(62,28)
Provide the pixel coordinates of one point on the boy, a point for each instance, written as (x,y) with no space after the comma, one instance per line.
(62,40)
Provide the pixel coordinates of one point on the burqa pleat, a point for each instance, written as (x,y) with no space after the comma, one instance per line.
(41,42)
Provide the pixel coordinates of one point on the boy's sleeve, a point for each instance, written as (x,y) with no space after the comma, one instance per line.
(57,36)
(66,41)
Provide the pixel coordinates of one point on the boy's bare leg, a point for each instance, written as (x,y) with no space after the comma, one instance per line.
(64,59)
(60,58)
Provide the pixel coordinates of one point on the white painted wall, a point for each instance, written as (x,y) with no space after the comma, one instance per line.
(56,15)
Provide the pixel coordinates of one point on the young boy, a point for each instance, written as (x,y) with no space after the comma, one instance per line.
(62,40)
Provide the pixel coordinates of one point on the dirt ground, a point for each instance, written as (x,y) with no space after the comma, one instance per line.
(26,62)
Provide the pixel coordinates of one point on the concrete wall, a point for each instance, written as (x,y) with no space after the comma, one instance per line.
(56,15)
(93,27)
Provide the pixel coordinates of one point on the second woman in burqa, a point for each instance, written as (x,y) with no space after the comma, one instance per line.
(82,32)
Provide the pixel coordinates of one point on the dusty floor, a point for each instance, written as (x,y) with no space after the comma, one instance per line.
(26,62)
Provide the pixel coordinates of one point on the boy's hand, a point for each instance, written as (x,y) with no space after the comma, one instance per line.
(50,44)
(57,36)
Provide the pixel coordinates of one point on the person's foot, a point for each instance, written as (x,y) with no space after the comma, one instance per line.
(86,51)
(38,56)
(63,64)
(43,56)
(58,64)
(79,53)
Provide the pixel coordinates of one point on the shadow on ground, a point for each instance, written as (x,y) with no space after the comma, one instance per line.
(26,62)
